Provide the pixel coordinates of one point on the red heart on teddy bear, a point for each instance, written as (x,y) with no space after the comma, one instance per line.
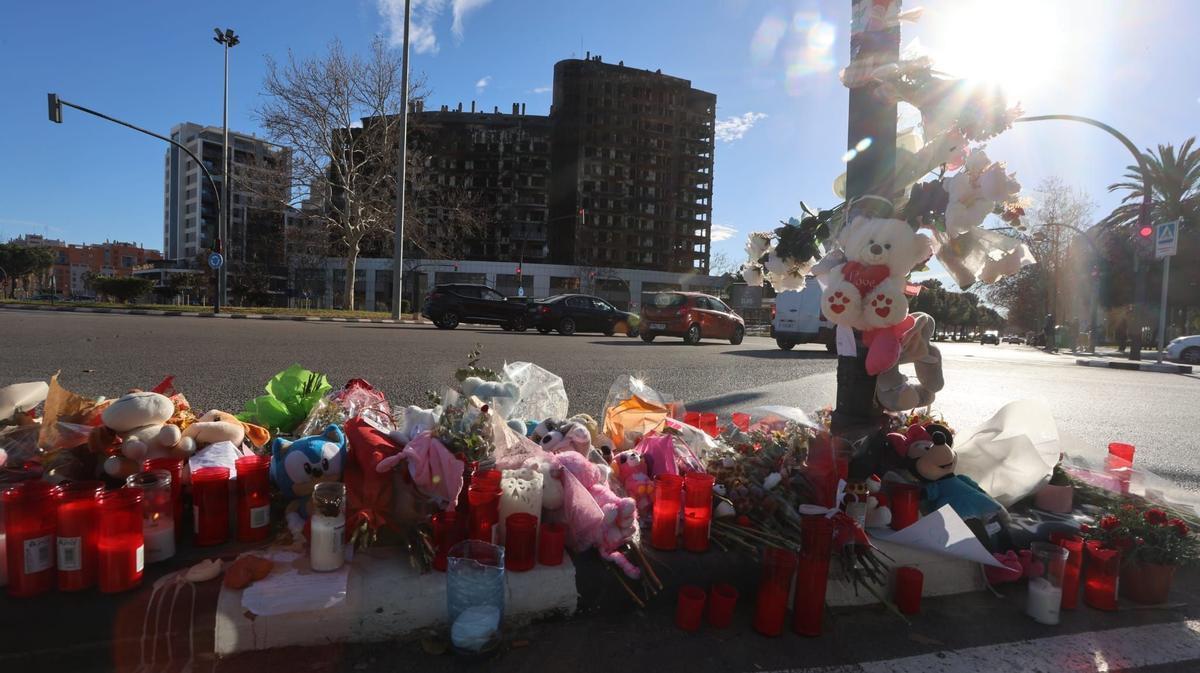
(865,277)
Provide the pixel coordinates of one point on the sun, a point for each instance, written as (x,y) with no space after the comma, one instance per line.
(1021,45)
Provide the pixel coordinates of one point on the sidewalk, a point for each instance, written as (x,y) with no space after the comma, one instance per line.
(67,308)
(1113,359)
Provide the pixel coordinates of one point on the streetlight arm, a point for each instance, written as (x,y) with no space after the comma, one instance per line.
(211,182)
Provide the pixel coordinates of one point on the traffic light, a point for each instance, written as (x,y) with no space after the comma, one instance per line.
(55,107)
(1146,231)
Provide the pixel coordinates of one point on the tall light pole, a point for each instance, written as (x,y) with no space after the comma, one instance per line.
(228,40)
(401,165)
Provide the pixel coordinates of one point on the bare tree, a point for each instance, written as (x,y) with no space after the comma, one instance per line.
(338,114)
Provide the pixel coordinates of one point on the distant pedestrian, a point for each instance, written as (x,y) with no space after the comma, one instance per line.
(1048,332)
(1122,334)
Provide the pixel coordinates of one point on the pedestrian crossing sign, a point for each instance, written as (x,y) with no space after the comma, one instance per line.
(1166,239)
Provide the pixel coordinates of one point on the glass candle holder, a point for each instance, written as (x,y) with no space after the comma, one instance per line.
(175,467)
(475,594)
(668,501)
(689,610)
(484,502)
(158,513)
(697,510)
(905,502)
(1071,570)
(1101,572)
(327,527)
(120,546)
(30,518)
(253,498)
(78,522)
(446,534)
(812,575)
(210,506)
(775,581)
(520,491)
(551,540)
(521,542)
(909,584)
(722,598)
(1045,597)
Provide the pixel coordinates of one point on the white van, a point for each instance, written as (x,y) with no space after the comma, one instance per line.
(797,318)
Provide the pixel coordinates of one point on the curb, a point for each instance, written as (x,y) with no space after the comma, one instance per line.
(232,316)
(1163,368)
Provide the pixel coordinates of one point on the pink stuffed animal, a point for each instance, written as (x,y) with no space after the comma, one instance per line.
(620,514)
(631,468)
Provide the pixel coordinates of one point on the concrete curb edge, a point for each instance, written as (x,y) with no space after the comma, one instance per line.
(1164,368)
(233,316)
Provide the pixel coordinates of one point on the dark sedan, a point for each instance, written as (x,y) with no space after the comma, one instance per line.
(571,313)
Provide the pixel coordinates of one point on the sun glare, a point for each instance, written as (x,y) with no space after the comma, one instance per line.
(1021,45)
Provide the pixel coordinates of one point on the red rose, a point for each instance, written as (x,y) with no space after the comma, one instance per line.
(1085,529)
(1109,522)
(1155,517)
(1180,526)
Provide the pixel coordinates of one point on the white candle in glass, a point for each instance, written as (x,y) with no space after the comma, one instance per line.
(326,548)
(520,491)
(1044,601)
(160,538)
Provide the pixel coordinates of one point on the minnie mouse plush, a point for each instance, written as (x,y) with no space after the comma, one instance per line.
(930,455)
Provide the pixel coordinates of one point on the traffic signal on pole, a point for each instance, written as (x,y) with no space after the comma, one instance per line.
(1146,231)
(55,107)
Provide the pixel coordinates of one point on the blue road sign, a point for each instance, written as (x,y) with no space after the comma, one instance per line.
(1166,239)
(215,260)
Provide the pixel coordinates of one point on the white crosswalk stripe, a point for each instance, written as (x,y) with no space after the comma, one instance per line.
(1101,651)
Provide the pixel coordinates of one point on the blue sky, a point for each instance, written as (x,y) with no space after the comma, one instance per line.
(773,65)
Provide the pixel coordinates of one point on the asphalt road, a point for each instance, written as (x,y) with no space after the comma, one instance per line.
(222,363)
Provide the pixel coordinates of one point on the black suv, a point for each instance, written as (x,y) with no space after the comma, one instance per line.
(449,305)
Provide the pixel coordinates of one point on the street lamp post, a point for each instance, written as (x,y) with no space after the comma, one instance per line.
(228,40)
(56,105)
(401,170)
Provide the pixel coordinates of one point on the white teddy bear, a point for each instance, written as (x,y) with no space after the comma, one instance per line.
(867,291)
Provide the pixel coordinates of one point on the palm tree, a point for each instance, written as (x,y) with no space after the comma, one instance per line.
(1174,183)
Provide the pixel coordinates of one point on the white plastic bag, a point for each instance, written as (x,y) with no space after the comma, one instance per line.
(1013,453)
(542,393)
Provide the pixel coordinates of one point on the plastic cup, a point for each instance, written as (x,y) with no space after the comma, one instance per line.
(550,544)
(1101,572)
(668,500)
(445,536)
(812,576)
(120,546)
(909,583)
(520,542)
(905,502)
(770,609)
(210,506)
(697,510)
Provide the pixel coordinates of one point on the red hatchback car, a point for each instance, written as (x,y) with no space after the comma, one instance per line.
(690,315)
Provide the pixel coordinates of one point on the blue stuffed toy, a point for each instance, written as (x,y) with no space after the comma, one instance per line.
(298,466)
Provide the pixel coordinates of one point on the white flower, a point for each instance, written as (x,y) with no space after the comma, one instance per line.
(719,489)
(977,161)
(757,244)
(752,274)
(724,510)
(997,185)
(772,480)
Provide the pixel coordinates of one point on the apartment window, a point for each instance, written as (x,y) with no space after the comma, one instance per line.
(191,194)
(191,179)
(189,208)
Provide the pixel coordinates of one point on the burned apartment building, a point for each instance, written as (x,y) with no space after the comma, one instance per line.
(618,175)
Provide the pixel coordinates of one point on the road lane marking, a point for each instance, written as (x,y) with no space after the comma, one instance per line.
(1113,650)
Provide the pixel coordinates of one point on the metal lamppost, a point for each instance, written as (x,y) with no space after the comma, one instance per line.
(228,40)
(401,166)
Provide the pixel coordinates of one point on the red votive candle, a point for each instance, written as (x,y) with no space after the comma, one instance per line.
(78,521)
(692,418)
(812,577)
(697,510)
(30,517)
(120,545)
(668,500)
(487,478)
(446,534)
(721,601)
(550,544)
(520,541)
(1070,586)
(741,421)
(909,582)
(175,467)
(1101,570)
(210,506)
(253,498)
(905,501)
(485,510)
(690,608)
(708,423)
(770,609)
